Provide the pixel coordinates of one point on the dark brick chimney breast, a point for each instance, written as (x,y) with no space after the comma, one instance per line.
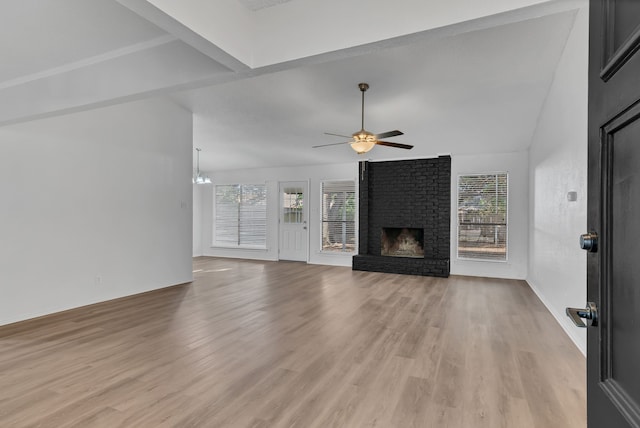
(412,194)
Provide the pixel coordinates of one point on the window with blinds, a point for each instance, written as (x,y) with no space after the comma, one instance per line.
(240,216)
(338,216)
(482,216)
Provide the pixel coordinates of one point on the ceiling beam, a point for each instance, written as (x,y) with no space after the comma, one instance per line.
(172,26)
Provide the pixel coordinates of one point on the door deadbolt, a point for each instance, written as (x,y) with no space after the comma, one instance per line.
(589,242)
(590,314)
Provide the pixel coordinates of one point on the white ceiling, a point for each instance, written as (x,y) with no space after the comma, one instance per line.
(468,89)
(475,92)
(37,35)
(261,4)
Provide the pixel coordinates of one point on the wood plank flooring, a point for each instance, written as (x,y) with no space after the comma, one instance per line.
(264,344)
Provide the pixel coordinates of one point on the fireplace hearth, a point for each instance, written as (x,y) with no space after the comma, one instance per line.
(402,242)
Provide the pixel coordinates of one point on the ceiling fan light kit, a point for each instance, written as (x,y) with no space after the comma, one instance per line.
(363,140)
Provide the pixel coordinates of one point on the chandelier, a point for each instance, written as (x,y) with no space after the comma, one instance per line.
(198,178)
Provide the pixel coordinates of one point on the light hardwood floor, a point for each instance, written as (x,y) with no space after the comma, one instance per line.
(263,344)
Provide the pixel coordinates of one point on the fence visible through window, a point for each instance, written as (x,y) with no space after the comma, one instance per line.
(482,216)
(338,216)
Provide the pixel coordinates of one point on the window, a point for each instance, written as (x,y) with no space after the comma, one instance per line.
(482,216)
(241,216)
(338,216)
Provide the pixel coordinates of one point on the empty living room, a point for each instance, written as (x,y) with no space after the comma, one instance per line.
(305,213)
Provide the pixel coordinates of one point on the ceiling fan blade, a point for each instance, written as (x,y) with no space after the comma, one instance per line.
(332,144)
(338,135)
(396,145)
(389,134)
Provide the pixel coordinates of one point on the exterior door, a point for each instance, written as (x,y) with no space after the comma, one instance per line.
(294,234)
(613,263)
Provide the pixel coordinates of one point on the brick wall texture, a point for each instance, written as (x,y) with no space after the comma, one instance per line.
(412,193)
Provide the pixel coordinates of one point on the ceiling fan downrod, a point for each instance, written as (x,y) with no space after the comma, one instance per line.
(363,88)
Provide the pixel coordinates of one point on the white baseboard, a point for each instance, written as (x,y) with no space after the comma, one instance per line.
(562,319)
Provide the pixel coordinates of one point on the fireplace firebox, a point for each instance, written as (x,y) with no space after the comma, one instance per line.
(402,242)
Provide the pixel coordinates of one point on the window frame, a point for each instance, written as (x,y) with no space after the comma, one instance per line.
(215,243)
(506,224)
(355,219)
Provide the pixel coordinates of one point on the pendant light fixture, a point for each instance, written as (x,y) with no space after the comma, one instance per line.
(200,179)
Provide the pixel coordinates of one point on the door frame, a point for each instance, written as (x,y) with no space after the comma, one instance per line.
(305,213)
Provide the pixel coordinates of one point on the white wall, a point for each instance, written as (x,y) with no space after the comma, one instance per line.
(515,164)
(95,205)
(314,175)
(557,165)
(198,191)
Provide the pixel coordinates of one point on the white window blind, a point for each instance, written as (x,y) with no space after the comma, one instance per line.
(482,216)
(241,215)
(338,216)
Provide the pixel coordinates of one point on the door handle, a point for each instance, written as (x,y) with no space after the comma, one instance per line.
(590,314)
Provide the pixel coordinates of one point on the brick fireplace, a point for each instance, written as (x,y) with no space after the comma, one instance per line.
(409,201)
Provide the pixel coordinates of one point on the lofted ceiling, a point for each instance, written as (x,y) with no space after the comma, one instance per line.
(471,87)
(254,5)
(39,35)
(475,92)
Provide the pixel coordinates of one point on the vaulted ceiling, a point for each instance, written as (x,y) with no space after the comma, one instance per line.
(455,82)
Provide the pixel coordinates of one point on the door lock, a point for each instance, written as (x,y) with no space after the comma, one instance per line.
(589,242)
(590,314)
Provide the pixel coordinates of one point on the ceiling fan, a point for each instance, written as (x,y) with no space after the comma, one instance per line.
(363,140)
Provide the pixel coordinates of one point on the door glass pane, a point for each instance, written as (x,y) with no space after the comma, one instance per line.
(292,205)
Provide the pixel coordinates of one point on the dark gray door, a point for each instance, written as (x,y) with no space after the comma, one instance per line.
(613,284)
